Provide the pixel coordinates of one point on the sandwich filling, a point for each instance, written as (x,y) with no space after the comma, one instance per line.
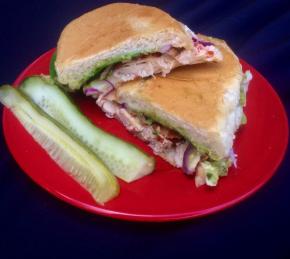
(165,142)
(161,62)
(148,63)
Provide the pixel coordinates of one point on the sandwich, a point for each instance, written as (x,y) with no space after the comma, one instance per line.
(180,92)
(121,42)
(189,117)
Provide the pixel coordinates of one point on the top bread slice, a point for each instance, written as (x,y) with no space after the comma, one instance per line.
(114,31)
(201,102)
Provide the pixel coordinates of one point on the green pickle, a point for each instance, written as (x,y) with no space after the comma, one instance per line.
(70,154)
(123,159)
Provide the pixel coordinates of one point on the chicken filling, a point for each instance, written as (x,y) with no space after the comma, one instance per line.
(161,62)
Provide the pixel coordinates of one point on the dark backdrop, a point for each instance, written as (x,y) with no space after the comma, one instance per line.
(34,224)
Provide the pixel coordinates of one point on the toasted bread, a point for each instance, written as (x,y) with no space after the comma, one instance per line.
(114,31)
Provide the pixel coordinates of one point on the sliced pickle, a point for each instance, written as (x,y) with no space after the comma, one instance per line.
(71,155)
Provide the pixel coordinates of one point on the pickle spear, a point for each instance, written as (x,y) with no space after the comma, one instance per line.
(71,155)
(123,159)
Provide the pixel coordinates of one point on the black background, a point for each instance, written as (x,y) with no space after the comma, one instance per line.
(33,224)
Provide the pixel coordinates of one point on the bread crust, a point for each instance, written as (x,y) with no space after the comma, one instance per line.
(115,29)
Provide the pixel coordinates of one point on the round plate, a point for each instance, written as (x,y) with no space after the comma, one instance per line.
(167,194)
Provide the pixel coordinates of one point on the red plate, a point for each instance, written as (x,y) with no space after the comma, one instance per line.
(167,194)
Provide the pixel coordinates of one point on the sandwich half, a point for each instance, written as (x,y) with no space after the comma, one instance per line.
(120,42)
(189,117)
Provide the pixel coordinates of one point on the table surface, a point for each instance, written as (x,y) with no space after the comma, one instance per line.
(35,224)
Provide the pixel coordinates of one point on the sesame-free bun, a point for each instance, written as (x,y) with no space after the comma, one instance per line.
(112,31)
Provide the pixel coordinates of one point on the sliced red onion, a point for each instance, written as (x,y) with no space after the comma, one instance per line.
(202,42)
(99,86)
(165,48)
(91,91)
(190,160)
(205,43)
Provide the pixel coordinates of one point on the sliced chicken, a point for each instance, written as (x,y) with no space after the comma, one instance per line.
(163,63)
